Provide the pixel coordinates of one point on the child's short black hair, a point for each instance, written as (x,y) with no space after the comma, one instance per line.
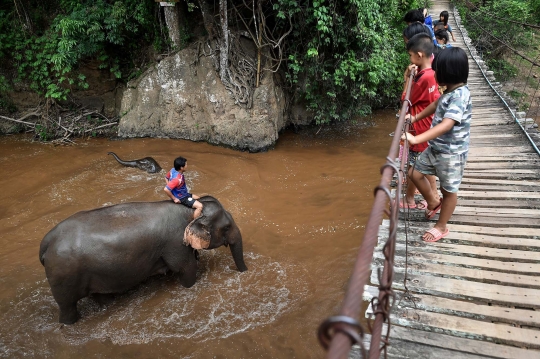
(413,16)
(421,43)
(442,35)
(415,28)
(444,15)
(179,163)
(451,66)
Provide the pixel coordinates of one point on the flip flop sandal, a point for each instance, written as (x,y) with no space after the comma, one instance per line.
(430,213)
(421,205)
(436,234)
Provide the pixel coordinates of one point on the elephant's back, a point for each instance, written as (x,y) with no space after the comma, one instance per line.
(129,228)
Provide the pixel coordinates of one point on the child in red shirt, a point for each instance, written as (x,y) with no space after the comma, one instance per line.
(424,91)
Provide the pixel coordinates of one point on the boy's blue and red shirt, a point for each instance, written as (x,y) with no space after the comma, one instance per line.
(177,184)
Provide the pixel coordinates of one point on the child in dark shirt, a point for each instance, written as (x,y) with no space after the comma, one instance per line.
(177,190)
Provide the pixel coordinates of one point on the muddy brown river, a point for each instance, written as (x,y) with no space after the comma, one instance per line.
(301,207)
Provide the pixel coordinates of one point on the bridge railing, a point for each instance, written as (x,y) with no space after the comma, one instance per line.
(511,48)
(337,334)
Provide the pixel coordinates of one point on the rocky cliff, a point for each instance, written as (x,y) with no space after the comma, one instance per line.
(183,97)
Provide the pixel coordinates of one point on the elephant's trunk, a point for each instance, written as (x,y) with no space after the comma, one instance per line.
(122,162)
(237,251)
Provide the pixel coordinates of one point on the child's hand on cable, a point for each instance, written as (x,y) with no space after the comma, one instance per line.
(410,138)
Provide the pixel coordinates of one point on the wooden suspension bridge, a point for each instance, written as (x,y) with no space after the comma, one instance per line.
(475,293)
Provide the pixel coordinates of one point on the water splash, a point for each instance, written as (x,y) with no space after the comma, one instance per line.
(222,302)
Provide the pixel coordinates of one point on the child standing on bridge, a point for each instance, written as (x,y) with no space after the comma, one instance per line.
(177,190)
(448,139)
(423,93)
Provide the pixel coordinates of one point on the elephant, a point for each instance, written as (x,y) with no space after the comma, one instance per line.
(147,164)
(112,249)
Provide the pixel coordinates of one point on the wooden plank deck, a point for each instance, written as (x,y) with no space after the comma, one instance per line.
(475,293)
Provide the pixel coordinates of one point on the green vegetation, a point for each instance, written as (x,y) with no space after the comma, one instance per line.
(501,31)
(346,56)
(502,69)
(342,57)
(48,40)
(496,28)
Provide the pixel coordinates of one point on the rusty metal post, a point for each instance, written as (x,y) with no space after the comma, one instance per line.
(345,327)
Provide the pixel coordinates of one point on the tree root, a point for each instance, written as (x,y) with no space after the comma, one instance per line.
(51,123)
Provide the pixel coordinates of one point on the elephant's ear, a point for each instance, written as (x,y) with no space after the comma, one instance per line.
(196,234)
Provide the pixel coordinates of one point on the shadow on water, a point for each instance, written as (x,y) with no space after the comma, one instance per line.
(301,208)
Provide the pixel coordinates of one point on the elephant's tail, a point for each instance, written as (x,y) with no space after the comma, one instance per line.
(44,245)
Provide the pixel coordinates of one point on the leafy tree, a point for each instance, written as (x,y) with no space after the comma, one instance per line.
(57,36)
(341,57)
(346,56)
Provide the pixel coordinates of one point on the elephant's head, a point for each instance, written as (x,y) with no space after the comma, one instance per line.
(215,228)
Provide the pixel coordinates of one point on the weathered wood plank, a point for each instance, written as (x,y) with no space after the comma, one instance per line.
(417,245)
(470,238)
(491,220)
(510,164)
(494,151)
(501,221)
(426,345)
(461,289)
(495,241)
(462,308)
(494,136)
(491,187)
(469,262)
(457,272)
(493,159)
(491,194)
(509,232)
(465,327)
(502,146)
(502,176)
(510,170)
(499,212)
(503,182)
(515,231)
(506,203)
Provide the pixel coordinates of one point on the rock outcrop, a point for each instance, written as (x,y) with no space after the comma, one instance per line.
(183,97)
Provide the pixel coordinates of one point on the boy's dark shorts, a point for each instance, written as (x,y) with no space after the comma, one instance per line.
(188,201)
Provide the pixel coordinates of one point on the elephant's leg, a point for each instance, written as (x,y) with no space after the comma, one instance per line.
(67,304)
(190,270)
(181,258)
(66,290)
(68,313)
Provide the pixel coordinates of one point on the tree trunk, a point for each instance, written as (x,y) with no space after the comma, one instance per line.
(171,18)
(207,18)
(224,43)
